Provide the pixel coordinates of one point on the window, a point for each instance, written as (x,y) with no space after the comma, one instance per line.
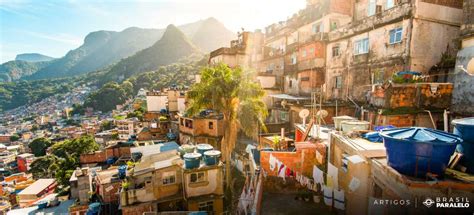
(211,125)
(338,82)
(304,78)
(189,123)
(361,46)
(181,121)
(303,53)
(335,51)
(317,27)
(311,51)
(390,4)
(333,25)
(198,177)
(294,58)
(168,178)
(206,206)
(379,76)
(372,7)
(290,83)
(396,35)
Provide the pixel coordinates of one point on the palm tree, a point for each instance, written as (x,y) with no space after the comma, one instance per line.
(232,93)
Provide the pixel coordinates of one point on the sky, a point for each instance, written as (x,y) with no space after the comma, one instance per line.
(53,27)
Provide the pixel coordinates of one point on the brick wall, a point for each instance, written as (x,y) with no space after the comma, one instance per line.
(137,209)
(101,156)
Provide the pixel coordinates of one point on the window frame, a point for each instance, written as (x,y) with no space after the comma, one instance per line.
(396,34)
(206,206)
(338,82)
(337,48)
(372,7)
(168,178)
(198,179)
(211,125)
(361,46)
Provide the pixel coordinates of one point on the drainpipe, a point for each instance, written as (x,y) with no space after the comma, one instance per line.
(431,117)
(445,120)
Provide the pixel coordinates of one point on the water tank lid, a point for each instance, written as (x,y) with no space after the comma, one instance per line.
(212,153)
(192,155)
(419,134)
(355,122)
(464,121)
(343,117)
(204,146)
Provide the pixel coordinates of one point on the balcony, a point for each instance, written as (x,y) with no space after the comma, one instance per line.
(311,64)
(289,68)
(395,14)
(271,53)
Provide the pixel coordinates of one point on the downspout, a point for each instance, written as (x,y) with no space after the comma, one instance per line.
(409,38)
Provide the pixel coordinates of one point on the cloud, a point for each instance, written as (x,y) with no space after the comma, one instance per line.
(60,37)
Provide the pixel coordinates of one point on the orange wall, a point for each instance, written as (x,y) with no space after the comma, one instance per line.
(319,51)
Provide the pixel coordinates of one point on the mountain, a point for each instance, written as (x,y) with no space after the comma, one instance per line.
(211,35)
(16,69)
(102,49)
(33,57)
(172,47)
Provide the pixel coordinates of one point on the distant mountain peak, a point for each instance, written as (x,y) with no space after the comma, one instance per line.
(33,57)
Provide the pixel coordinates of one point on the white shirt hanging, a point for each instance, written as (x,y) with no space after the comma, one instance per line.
(318,175)
(339,199)
(332,175)
(327,193)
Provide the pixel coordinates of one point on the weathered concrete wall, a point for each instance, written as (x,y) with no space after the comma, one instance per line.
(429,41)
(463,94)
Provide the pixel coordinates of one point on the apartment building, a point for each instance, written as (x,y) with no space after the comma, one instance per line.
(208,128)
(160,182)
(388,36)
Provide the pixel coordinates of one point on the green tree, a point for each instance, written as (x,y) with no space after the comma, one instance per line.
(75,147)
(45,167)
(39,145)
(232,93)
(14,137)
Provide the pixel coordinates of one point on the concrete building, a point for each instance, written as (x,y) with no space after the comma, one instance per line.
(156,101)
(386,37)
(160,182)
(463,97)
(127,127)
(24,161)
(36,191)
(201,129)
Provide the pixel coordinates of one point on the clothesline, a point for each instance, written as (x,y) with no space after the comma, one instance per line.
(311,184)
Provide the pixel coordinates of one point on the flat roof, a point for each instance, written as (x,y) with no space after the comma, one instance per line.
(37,186)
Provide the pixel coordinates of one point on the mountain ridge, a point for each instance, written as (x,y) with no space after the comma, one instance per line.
(102,49)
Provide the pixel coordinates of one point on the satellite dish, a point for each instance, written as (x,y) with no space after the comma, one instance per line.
(470,67)
(322,113)
(304,113)
(283,103)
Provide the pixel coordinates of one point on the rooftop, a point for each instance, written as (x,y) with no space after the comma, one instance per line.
(38,186)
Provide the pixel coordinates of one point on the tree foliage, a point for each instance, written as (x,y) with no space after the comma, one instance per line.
(63,160)
(234,94)
(39,145)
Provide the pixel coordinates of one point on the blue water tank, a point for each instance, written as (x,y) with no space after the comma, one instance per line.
(211,157)
(417,151)
(465,129)
(122,171)
(203,147)
(192,160)
(94,208)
